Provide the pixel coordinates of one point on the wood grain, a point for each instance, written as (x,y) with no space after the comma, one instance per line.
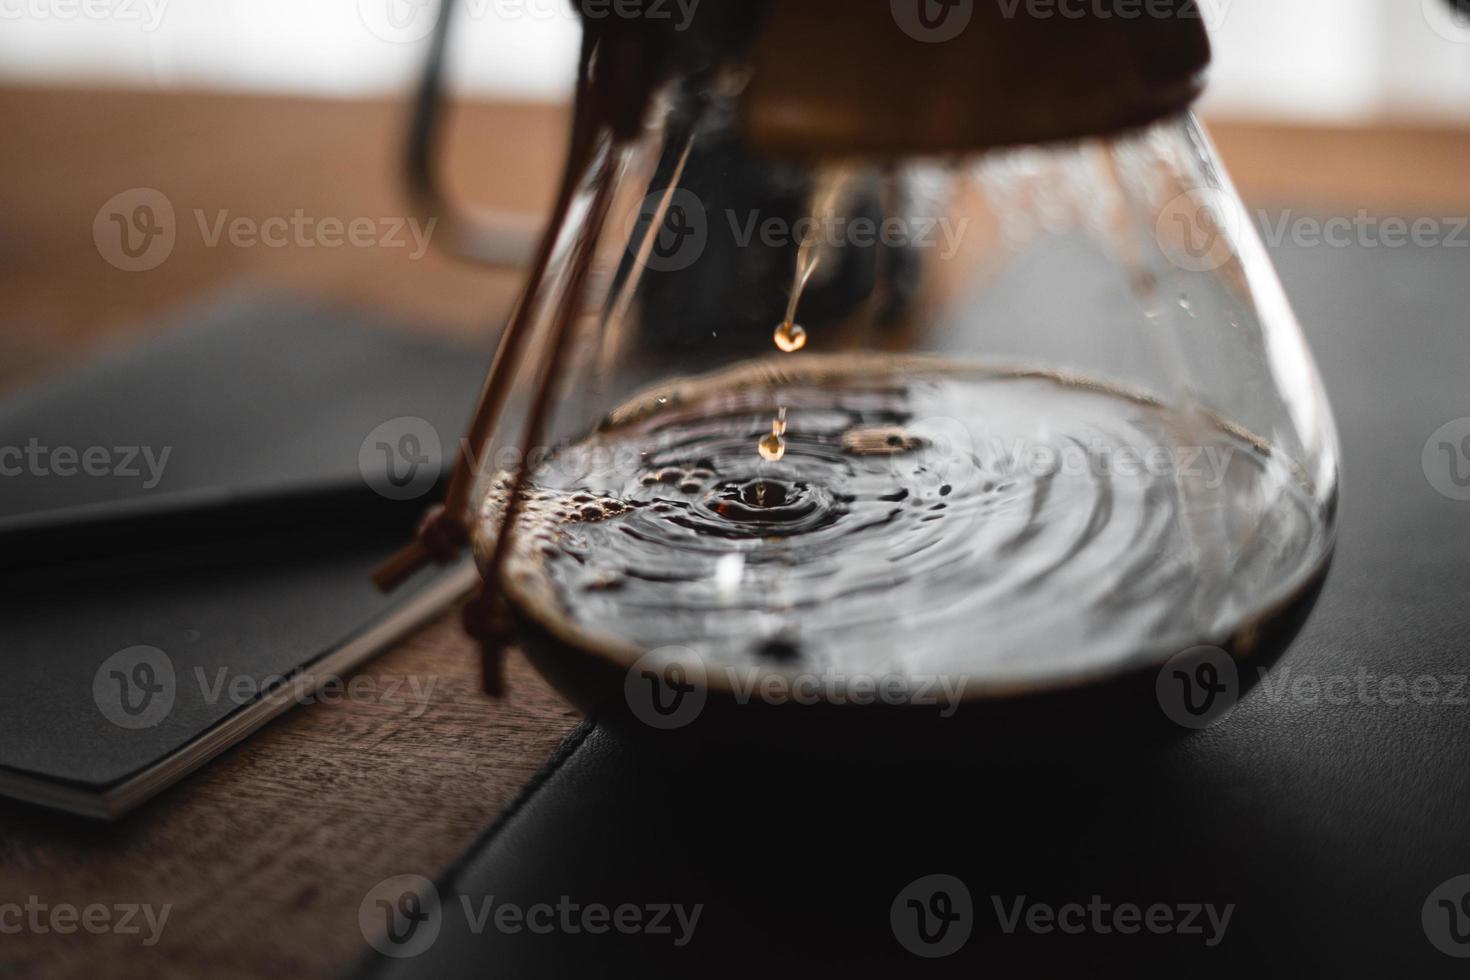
(67,153)
(1392,170)
(265,854)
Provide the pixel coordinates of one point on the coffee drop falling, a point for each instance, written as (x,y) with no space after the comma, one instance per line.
(773,447)
(790,337)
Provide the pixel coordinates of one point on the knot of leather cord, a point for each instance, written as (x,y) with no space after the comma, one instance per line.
(443,536)
(489,621)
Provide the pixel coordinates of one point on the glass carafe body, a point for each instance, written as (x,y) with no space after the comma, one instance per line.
(1021,419)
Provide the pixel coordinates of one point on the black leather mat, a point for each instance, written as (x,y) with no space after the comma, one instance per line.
(1328,824)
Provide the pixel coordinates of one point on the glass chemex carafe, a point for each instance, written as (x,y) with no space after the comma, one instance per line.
(893,346)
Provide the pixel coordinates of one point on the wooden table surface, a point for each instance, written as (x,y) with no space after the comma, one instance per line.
(265,854)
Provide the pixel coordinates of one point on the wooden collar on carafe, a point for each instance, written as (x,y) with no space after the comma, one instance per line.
(911,77)
(864,77)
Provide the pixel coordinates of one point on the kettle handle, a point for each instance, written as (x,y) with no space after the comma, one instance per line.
(501,239)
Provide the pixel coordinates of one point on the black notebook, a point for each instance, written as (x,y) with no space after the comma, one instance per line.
(124,672)
(1322,828)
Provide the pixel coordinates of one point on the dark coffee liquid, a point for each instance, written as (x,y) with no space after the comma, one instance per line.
(1010,528)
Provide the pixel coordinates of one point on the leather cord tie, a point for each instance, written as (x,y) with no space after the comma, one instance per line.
(489,620)
(444,538)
